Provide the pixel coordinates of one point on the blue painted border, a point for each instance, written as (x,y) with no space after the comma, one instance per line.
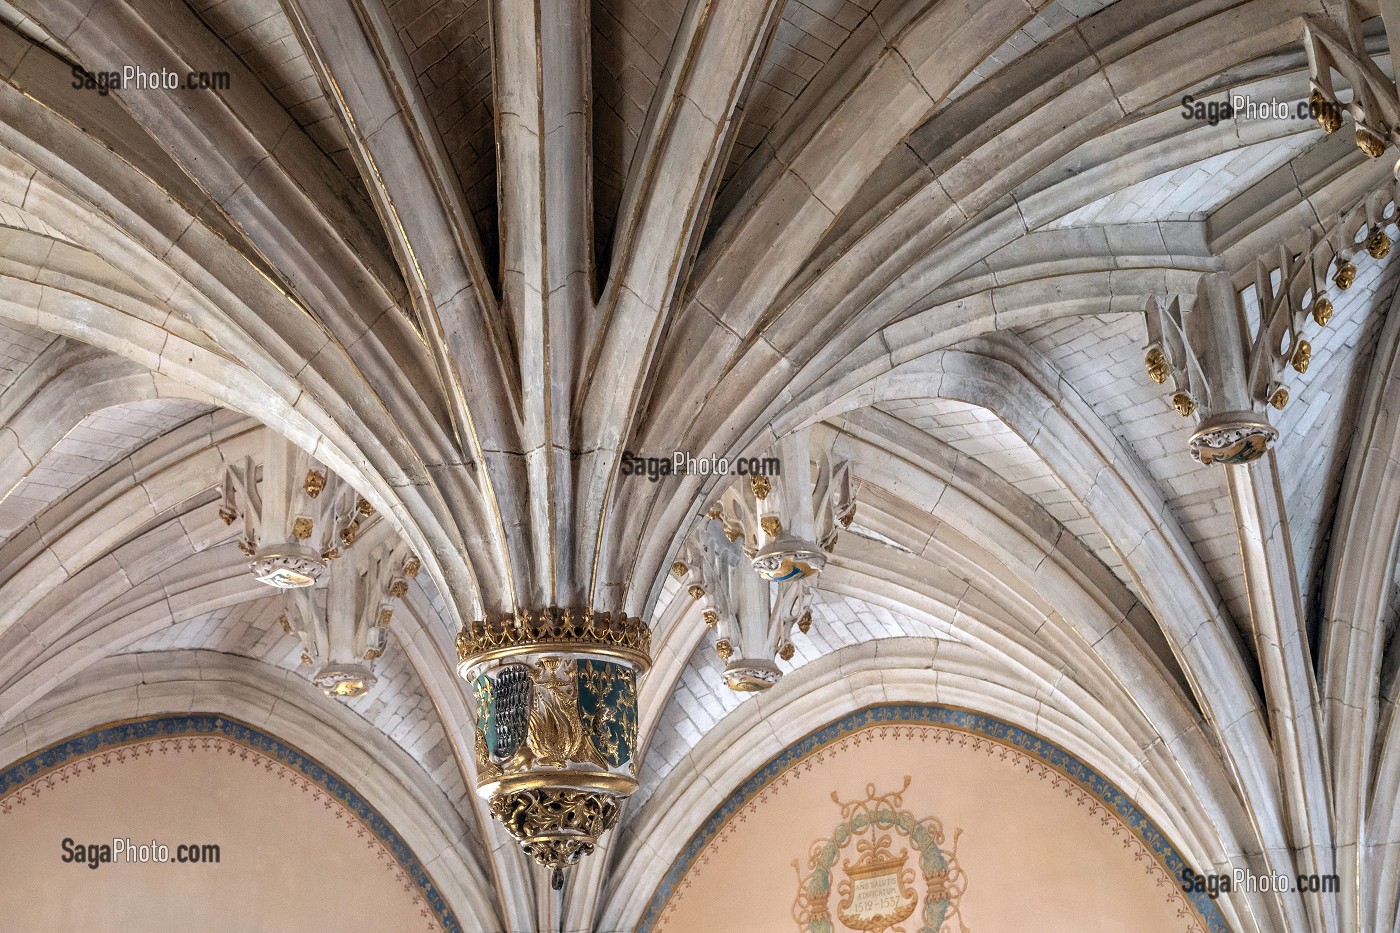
(165,727)
(950,718)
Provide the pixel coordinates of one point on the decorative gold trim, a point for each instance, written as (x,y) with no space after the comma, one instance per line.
(786,651)
(364,507)
(228,515)
(554,629)
(302,528)
(724,649)
(1279,398)
(679,568)
(710,616)
(571,779)
(412,567)
(315,483)
(385,616)
(772,525)
(398,589)
(804,624)
(1322,311)
(1184,404)
(695,590)
(760,485)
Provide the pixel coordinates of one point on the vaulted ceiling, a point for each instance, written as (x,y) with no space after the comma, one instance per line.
(467,252)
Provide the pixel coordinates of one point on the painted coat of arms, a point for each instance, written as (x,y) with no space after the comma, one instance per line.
(893,870)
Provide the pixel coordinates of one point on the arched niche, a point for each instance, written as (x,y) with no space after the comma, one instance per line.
(983,824)
(297,847)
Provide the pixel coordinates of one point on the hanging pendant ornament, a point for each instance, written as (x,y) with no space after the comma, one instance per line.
(556,724)
(753,564)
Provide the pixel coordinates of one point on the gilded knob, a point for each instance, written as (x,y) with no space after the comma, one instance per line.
(1184,404)
(1156,362)
(1328,113)
(1302,356)
(1279,398)
(1369,143)
(1346,275)
(1322,311)
(1378,244)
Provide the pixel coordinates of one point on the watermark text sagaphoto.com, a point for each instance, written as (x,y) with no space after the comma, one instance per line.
(132,78)
(682,463)
(124,851)
(1245,881)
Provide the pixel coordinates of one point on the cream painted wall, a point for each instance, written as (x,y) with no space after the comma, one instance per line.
(1038,851)
(291,858)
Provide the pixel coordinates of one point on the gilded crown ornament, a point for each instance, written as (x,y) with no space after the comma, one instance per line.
(755,561)
(556,723)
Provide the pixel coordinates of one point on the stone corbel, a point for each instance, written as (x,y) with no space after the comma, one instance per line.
(1374,106)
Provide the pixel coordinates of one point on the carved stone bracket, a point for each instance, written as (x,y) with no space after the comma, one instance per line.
(752,563)
(1227,378)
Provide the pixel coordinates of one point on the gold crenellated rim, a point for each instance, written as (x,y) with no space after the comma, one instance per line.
(586,631)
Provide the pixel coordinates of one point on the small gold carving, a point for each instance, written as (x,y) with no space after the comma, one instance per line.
(301,529)
(772,525)
(761,486)
(1302,356)
(1329,114)
(786,651)
(850,516)
(1378,244)
(398,589)
(710,616)
(724,649)
(679,568)
(1279,398)
(732,532)
(228,515)
(315,483)
(330,554)
(245,547)
(412,567)
(1322,312)
(385,615)
(349,533)
(374,654)
(696,591)
(286,626)
(305,658)
(364,507)
(1369,143)
(1346,274)
(1184,404)
(716,511)
(804,624)
(1157,369)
